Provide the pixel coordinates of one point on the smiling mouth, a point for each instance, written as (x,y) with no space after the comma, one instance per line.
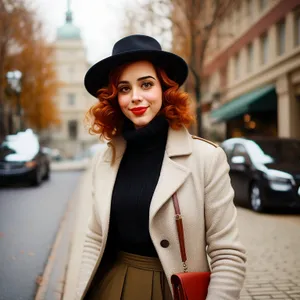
(139,110)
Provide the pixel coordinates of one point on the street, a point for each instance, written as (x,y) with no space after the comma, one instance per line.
(273,243)
(29,220)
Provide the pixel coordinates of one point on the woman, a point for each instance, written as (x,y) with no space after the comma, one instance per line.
(131,248)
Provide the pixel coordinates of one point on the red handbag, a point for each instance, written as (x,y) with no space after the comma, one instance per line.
(187,285)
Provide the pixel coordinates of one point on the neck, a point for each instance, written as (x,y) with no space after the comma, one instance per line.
(148,137)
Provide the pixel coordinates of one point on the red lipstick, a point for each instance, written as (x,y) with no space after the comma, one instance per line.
(138,111)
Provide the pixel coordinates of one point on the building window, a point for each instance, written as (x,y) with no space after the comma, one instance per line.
(218,38)
(223,77)
(237,66)
(281,38)
(71,99)
(264,49)
(237,19)
(250,58)
(297,28)
(263,4)
(73,129)
(250,8)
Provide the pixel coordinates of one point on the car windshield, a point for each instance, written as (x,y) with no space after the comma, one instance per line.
(281,151)
(19,147)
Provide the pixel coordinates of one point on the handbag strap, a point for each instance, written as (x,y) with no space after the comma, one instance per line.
(180,231)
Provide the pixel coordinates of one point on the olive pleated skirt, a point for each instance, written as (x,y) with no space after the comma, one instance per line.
(133,277)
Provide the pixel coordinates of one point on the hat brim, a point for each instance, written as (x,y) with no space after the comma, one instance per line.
(98,75)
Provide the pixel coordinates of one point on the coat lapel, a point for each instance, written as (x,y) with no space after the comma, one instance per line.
(173,174)
(106,180)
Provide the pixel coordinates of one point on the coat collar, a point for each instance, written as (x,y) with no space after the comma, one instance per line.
(179,143)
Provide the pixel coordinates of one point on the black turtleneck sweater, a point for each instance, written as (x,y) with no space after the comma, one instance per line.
(136,181)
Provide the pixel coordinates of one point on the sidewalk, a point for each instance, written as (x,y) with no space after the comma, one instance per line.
(83,210)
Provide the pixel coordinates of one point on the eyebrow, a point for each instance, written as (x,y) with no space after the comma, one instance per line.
(139,79)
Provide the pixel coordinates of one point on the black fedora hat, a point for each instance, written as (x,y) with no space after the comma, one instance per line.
(133,48)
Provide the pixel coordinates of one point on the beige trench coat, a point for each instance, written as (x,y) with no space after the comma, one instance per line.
(198,171)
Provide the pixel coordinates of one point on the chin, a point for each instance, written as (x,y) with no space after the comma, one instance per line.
(141,123)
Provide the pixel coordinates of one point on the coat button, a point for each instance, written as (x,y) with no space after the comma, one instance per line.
(165,243)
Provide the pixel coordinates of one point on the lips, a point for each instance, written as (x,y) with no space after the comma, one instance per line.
(139,110)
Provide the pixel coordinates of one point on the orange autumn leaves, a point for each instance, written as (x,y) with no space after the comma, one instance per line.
(25,48)
(40,85)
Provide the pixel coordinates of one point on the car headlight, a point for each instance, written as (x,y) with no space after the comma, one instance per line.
(280,181)
(30,164)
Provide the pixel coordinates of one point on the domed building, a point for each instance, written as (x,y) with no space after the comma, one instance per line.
(68,31)
(71,137)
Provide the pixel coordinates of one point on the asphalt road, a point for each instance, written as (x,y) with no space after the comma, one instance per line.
(29,220)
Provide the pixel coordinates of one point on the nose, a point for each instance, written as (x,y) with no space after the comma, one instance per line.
(136,98)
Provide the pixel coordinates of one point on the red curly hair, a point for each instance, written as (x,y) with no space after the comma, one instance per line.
(106,118)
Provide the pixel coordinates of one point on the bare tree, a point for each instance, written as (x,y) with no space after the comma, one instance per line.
(151,18)
(191,24)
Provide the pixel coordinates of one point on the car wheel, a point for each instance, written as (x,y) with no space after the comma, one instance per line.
(37,178)
(255,198)
(47,174)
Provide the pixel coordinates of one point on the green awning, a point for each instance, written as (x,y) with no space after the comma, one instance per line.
(262,99)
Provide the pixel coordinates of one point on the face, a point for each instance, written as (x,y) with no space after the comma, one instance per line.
(139,93)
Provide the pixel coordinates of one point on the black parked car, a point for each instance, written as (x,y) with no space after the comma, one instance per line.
(21,159)
(265,172)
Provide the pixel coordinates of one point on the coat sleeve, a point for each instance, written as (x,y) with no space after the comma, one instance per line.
(92,241)
(223,245)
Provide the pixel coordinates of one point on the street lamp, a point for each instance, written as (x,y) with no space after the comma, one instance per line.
(14,80)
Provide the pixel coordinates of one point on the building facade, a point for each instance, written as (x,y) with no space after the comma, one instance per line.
(71,137)
(251,78)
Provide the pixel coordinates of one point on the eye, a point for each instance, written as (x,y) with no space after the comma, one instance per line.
(147,85)
(124,89)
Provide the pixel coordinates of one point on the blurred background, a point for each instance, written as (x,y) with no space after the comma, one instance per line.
(243,58)
(244,82)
